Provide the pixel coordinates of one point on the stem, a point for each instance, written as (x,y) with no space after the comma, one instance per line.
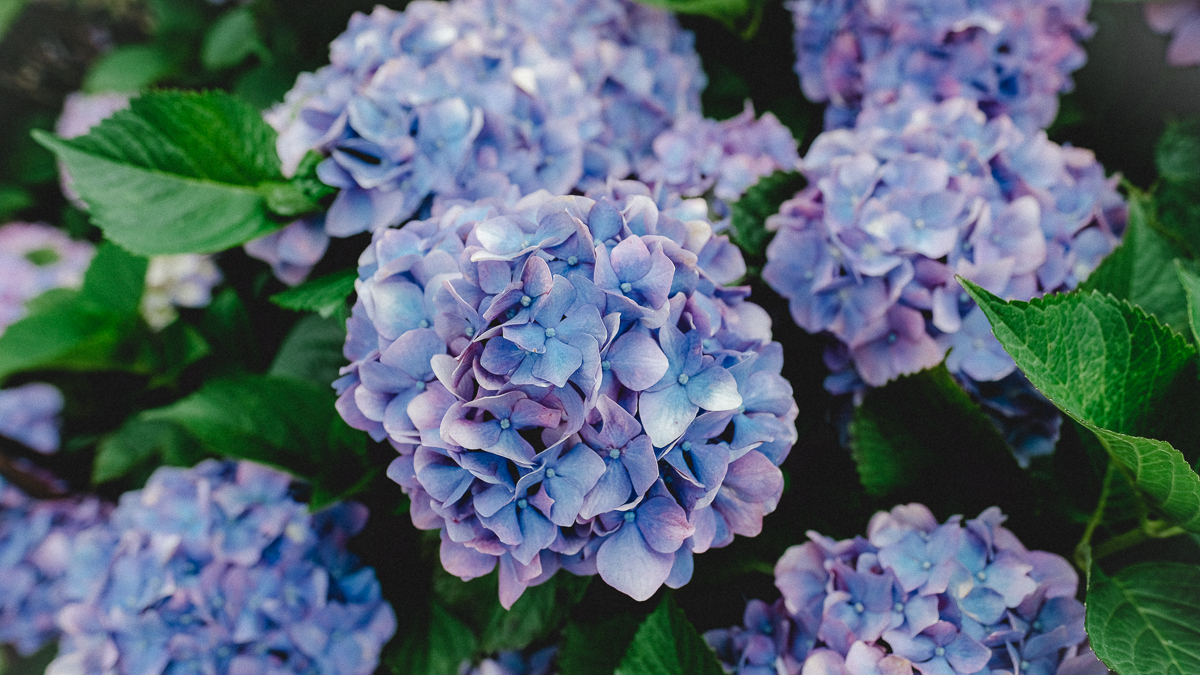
(1153,529)
(1083,551)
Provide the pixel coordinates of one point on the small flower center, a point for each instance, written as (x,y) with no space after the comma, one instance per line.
(606,364)
(424,323)
(1025,665)
(522,503)
(982,576)
(572,261)
(550,332)
(683,378)
(978,343)
(808,275)
(550,473)
(899,607)
(614,453)
(940,651)
(511,313)
(919,223)
(470,331)
(926,565)
(686,446)
(526,300)
(962,166)
(505,423)
(1037,625)
(626,287)
(963,297)
(420,385)
(892,337)
(859,607)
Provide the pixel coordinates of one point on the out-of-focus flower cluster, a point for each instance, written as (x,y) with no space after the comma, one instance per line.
(80,113)
(1180,20)
(184,280)
(569,385)
(1011,56)
(35,258)
(44,545)
(217,569)
(913,195)
(957,598)
(474,98)
(540,662)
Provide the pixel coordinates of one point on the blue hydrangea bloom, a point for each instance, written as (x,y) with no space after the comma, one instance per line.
(570,383)
(217,569)
(955,598)
(1011,56)
(540,662)
(29,414)
(913,195)
(477,98)
(48,550)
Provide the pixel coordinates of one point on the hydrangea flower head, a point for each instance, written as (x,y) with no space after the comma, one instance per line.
(1181,20)
(218,569)
(540,662)
(476,98)
(35,258)
(48,550)
(569,384)
(1012,56)
(29,414)
(915,194)
(915,595)
(184,280)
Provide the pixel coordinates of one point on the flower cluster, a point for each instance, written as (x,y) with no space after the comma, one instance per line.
(569,385)
(184,280)
(217,569)
(951,599)
(44,544)
(698,154)
(1012,56)
(35,258)
(474,98)
(514,663)
(1181,20)
(915,194)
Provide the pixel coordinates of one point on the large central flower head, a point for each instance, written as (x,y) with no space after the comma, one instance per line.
(1012,56)
(569,384)
(217,569)
(915,194)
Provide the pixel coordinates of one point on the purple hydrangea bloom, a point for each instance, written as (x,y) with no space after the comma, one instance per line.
(540,662)
(49,548)
(1181,20)
(1011,56)
(915,194)
(569,384)
(727,157)
(35,258)
(478,98)
(218,569)
(915,596)
(29,414)
(292,251)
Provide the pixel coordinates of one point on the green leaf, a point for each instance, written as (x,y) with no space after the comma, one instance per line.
(116,280)
(281,421)
(1143,619)
(9,11)
(12,199)
(1140,270)
(325,296)
(439,650)
(1177,154)
(128,69)
(749,214)
(1160,473)
(596,649)
(1178,159)
(667,644)
(140,446)
(176,172)
(1101,360)
(732,13)
(899,438)
(312,351)
(1191,286)
(230,40)
(65,334)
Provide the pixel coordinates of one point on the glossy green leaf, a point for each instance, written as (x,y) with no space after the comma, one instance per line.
(1141,269)
(12,199)
(326,295)
(1191,286)
(176,172)
(312,351)
(140,446)
(1143,620)
(1160,473)
(667,644)
(596,649)
(9,11)
(129,69)
(115,280)
(438,650)
(230,40)
(749,214)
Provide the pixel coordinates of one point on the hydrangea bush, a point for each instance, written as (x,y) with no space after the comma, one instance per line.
(216,569)
(915,595)
(570,384)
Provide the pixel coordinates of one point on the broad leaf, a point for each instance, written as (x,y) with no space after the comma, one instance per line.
(129,68)
(1191,286)
(667,644)
(1160,473)
(438,650)
(749,214)
(67,334)
(1140,270)
(596,649)
(1178,159)
(922,432)
(9,11)
(176,172)
(312,351)
(140,446)
(115,280)
(1143,620)
(1101,360)
(325,296)
(230,40)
